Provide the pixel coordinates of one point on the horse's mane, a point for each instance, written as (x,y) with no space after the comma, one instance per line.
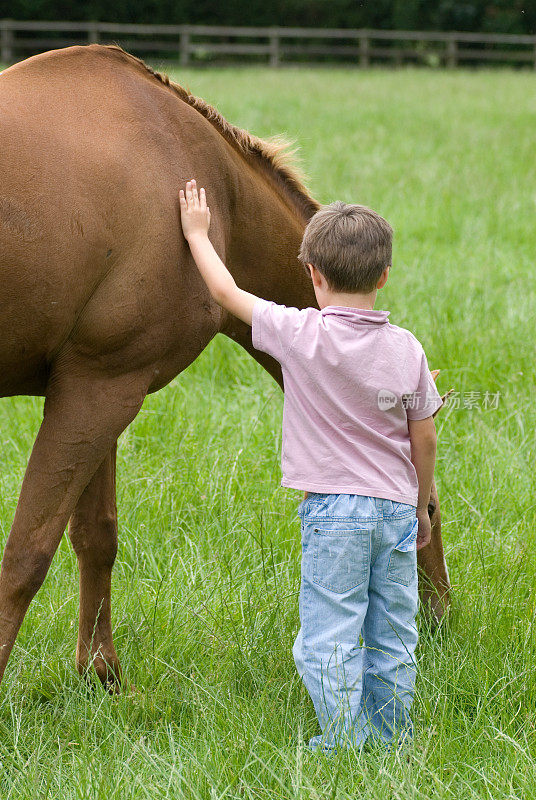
(276,156)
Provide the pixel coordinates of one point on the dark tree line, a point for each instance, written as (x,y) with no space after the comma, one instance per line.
(505,16)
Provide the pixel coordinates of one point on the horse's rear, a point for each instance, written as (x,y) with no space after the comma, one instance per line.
(46,265)
(89,237)
(96,305)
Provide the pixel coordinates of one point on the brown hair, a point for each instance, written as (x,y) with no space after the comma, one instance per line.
(349,244)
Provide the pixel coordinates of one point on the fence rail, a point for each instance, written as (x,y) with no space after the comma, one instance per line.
(202,44)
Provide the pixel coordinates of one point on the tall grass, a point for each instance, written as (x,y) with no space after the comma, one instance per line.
(205,587)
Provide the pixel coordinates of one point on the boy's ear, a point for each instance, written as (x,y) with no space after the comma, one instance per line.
(315,274)
(383,278)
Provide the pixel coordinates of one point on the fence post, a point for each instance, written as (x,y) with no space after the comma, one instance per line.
(364,51)
(7,41)
(184,48)
(274,49)
(452,53)
(93,33)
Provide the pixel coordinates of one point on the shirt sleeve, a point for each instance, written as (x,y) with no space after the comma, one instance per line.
(274,328)
(425,400)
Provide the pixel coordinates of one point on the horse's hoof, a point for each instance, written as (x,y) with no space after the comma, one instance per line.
(108,673)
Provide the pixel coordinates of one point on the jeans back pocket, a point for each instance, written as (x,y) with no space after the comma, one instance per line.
(341,559)
(403,560)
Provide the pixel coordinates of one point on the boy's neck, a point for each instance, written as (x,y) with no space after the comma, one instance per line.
(348,299)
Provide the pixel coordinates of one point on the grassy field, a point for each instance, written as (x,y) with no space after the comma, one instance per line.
(205,587)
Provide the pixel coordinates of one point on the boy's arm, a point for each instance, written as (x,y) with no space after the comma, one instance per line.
(195,220)
(423,438)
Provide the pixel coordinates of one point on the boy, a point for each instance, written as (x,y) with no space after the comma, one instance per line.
(359,438)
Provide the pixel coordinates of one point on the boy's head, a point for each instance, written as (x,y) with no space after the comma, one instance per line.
(350,245)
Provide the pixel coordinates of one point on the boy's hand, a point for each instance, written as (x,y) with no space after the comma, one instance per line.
(195,214)
(195,221)
(424,532)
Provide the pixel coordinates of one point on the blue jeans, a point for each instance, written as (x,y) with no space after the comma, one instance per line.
(358,601)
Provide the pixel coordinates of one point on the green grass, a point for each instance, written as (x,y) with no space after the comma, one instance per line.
(205,587)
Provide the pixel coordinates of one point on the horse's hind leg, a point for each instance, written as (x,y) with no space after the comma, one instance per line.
(93,533)
(84,415)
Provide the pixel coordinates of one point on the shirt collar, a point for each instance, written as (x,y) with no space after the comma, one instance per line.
(357,315)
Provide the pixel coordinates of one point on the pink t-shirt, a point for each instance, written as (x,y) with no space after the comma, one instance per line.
(352,380)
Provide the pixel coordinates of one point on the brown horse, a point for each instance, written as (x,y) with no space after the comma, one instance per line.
(101,302)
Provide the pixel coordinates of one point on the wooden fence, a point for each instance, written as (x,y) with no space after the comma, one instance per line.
(204,44)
